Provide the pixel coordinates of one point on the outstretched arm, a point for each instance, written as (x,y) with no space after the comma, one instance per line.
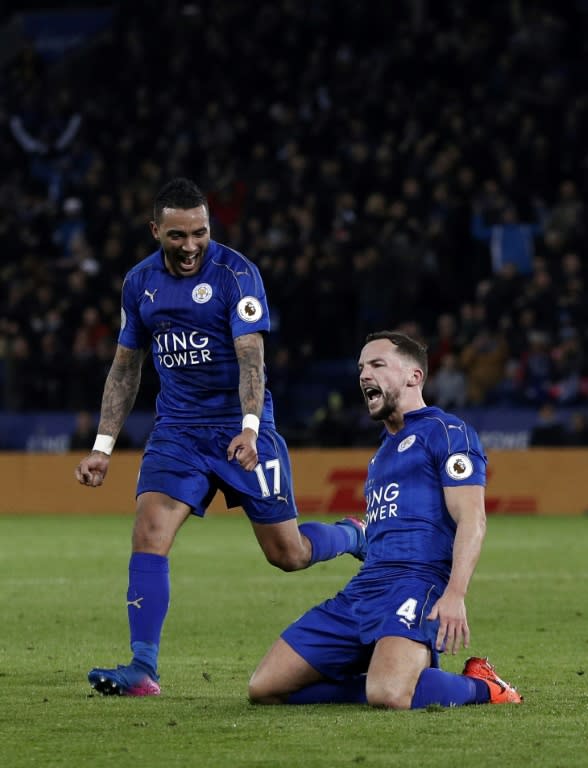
(120,392)
(466,507)
(250,354)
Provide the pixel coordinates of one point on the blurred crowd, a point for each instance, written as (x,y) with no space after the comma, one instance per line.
(413,165)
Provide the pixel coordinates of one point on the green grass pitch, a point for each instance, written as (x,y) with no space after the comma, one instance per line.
(64,611)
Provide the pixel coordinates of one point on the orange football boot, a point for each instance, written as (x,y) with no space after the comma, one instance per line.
(500,692)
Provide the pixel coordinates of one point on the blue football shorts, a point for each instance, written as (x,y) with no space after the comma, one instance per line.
(191,465)
(337,637)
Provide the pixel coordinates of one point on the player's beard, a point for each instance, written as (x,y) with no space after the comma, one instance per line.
(387,408)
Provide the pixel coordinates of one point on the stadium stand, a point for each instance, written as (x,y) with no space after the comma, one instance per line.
(359,153)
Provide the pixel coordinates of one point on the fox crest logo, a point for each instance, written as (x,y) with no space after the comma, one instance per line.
(406,443)
(459,466)
(202,293)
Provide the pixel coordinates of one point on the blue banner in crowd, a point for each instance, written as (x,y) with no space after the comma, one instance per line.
(50,431)
(56,33)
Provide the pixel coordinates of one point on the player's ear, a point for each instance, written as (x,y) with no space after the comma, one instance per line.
(154,229)
(416,378)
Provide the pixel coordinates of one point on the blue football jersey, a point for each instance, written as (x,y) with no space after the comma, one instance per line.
(408,523)
(190,324)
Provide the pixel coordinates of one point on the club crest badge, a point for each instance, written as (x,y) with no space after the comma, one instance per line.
(202,293)
(406,443)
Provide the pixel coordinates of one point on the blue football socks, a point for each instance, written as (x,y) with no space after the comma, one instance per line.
(435,686)
(349,691)
(147,604)
(327,540)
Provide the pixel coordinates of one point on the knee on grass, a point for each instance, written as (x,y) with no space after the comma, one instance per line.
(260,693)
(388,695)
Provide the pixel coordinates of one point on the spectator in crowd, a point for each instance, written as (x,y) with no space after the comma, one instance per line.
(549,431)
(70,229)
(44,128)
(536,368)
(330,426)
(444,341)
(483,360)
(508,393)
(21,375)
(511,241)
(539,294)
(577,430)
(51,381)
(84,434)
(568,366)
(448,388)
(567,215)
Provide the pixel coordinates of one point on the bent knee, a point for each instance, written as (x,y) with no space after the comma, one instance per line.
(287,559)
(388,695)
(259,693)
(256,695)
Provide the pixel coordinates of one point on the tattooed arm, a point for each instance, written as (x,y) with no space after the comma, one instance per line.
(250,351)
(120,389)
(120,392)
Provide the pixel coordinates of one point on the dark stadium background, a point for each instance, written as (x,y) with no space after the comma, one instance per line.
(349,149)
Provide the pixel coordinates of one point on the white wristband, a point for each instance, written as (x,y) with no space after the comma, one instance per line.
(250,421)
(104,444)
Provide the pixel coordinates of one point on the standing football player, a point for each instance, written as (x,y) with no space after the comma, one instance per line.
(200,307)
(426,522)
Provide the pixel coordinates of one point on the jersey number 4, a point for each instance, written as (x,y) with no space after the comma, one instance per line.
(408,611)
(272,468)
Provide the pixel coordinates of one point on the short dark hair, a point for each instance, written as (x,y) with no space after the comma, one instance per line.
(407,347)
(178,193)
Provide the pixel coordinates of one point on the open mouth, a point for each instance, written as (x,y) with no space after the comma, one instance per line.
(187,262)
(372,394)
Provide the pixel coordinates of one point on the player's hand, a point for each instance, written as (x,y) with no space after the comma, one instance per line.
(92,469)
(453,624)
(243,447)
